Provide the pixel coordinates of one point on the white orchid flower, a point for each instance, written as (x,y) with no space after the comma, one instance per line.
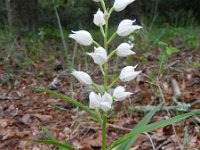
(94,100)
(106,103)
(128,73)
(99,18)
(120,5)
(98,102)
(99,55)
(126,27)
(124,50)
(119,93)
(82,37)
(82,77)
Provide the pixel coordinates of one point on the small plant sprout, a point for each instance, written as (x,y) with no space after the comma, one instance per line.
(101,101)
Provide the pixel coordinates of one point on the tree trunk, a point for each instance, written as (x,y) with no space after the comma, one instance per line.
(134,11)
(22,14)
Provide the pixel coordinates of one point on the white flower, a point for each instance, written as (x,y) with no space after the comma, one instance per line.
(82,77)
(94,100)
(106,103)
(126,27)
(124,50)
(82,37)
(119,93)
(99,56)
(120,5)
(128,73)
(99,18)
(96,0)
(98,102)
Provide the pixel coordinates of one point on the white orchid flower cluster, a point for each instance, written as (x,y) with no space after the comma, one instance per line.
(104,100)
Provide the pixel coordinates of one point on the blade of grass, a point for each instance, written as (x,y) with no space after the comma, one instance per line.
(51,137)
(55,143)
(127,144)
(151,127)
(71,101)
(61,31)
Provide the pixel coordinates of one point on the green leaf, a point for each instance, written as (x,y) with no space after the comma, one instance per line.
(151,127)
(55,143)
(71,101)
(51,137)
(171,50)
(127,144)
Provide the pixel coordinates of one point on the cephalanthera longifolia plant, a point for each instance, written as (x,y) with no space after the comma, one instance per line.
(101,101)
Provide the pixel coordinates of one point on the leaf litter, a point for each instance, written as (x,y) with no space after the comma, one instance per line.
(24,112)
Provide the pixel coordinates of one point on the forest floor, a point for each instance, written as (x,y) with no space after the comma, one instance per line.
(25,113)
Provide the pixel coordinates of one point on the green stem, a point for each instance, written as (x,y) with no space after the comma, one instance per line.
(106,76)
(103,5)
(111,54)
(104,131)
(113,83)
(96,88)
(102,30)
(96,44)
(101,67)
(106,48)
(112,37)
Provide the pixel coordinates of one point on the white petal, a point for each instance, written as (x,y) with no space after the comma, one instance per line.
(94,100)
(124,50)
(120,5)
(128,73)
(107,98)
(120,94)
(99,18)
(82,37)
(126,27)
(125,53)
(105,106)
(83,77)
(99,56)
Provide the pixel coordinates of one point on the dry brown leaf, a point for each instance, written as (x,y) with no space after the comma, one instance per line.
(44,118)
(94,140)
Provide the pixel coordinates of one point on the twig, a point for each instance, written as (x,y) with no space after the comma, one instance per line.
(162,144)
(153,146)
(118,127)
(9,98)
(163,99)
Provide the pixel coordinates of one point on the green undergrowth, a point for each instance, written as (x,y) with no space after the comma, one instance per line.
(24,51)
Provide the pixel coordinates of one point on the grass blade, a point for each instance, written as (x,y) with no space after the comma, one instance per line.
(127,144)
(151,127)
(55,143)
(51,137)
(71,101)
